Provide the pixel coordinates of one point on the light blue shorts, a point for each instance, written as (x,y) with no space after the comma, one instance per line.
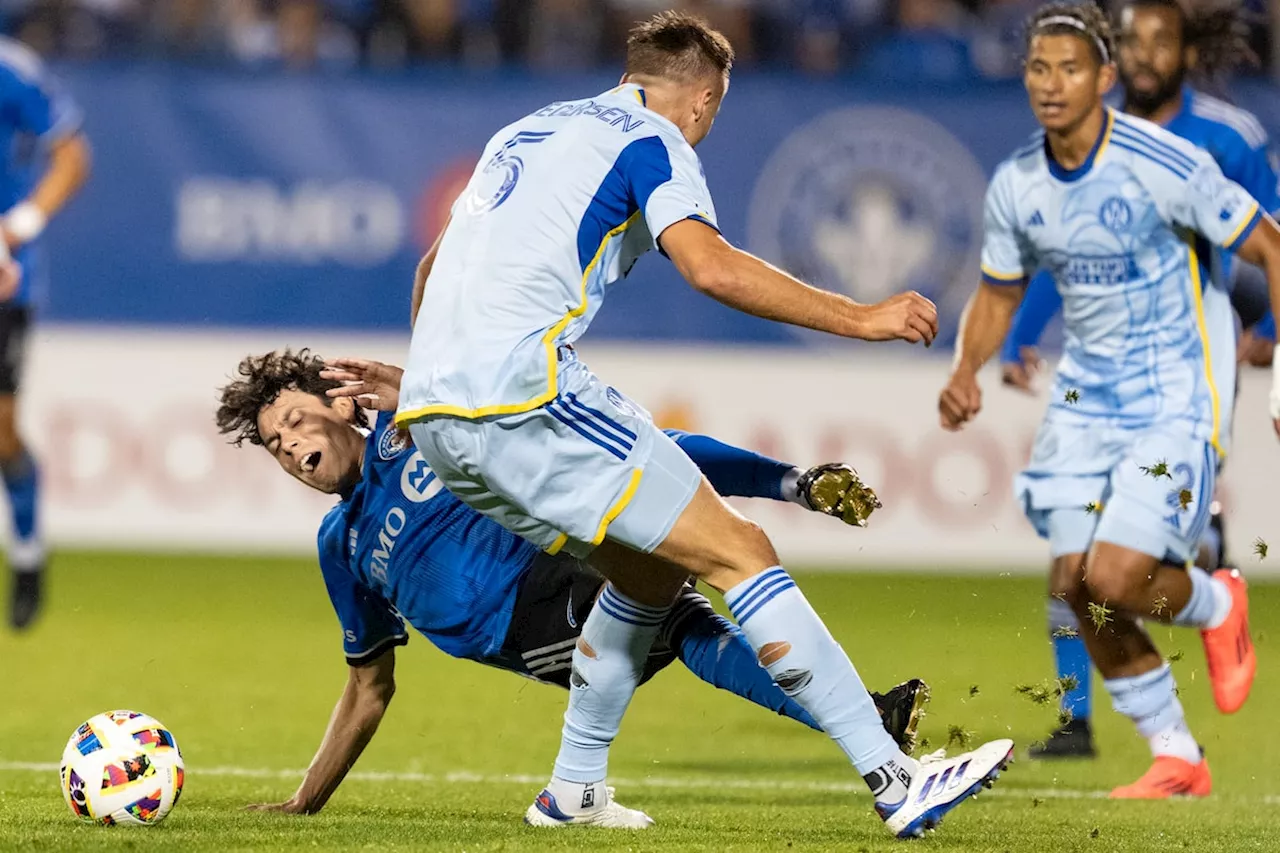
(1073,466)
(587,465)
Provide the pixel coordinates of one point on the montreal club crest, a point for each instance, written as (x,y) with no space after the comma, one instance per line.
(872,201)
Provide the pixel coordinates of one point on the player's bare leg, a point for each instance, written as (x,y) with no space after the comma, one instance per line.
(26,550)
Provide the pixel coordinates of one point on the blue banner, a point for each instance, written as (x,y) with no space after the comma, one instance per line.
(229,199)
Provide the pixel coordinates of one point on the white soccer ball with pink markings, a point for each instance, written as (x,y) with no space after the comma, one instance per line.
(121,767)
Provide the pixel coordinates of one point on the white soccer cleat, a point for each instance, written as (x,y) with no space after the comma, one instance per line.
(599,810)
(944,783)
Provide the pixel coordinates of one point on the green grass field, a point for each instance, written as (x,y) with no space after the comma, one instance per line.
(241,658)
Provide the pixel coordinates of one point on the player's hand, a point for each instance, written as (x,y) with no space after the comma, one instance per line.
(290,806)
(374,385)
(10,278)
(905,317)
(1022,374)
(1254,350)
(960,401)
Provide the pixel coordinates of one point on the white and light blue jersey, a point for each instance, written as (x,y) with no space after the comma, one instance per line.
(560,206)
(1128,238)
(34,112)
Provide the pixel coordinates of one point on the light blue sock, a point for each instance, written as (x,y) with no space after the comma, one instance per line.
(617,635)
(1151,701)
(803,659)
(1209,604)
(715,650)
(1072,658)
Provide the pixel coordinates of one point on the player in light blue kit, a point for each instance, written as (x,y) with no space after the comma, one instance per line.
(1161,44)
(1125,216)
(45,162)
(400,548)
(561,205)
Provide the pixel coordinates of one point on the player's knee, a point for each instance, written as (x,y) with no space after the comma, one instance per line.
(1117,584)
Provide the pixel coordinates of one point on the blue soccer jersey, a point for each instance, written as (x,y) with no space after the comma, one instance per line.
(1128,238)
(1236,141)
(401,547)
(34,112)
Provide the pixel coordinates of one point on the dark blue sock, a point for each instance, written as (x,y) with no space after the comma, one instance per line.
(734,472)
(714,649)
(22,482)
(1072,658)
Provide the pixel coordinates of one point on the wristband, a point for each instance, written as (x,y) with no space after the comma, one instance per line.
(25,222)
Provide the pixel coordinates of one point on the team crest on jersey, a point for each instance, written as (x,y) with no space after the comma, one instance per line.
(871,201)
(1116,214)
(620,402)
(392,443)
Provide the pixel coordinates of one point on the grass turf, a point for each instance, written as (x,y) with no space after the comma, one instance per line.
(241,658)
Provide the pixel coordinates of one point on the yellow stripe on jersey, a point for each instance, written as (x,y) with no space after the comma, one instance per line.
(1002,276)
(558,544)
(1106,135)
(548,340)
(1198,296)
(617,508)
(1244,223)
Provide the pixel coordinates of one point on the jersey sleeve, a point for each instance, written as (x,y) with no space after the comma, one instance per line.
(369,625)
(1003,258)
(1253,167)
(1041,302)
(33,100)
(1214,206)
(667,185)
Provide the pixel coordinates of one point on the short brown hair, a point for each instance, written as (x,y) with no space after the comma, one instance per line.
(679,46)
(264,377)
(1091,24)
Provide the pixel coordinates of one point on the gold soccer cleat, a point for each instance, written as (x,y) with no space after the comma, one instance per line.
(835,489)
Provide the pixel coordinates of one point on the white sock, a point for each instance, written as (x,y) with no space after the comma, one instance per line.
(804,660)
(26,555)
(1151,701)
(1209,604)
(790,488)
(607,663)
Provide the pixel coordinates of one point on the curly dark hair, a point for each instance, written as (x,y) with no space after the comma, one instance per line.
(262,378)
(1095,27)
(1217,29)
(677,45)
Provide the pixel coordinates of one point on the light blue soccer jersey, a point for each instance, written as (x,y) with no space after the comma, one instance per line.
(1128,238)
(558,209)
(34,112)
(1236,141)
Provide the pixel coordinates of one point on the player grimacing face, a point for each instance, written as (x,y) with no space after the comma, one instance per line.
(1065,81)
(1153,60)
(316,443)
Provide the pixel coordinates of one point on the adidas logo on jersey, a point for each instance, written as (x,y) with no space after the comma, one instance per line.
(1036,219)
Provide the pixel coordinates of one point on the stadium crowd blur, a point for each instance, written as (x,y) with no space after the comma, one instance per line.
(894,40)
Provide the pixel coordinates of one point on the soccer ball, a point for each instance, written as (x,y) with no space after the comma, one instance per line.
(121,767)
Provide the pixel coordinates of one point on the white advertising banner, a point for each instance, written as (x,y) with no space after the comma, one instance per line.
(123,422)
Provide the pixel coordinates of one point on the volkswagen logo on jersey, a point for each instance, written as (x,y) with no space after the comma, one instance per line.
(418,482)
(872,201)
(392,443)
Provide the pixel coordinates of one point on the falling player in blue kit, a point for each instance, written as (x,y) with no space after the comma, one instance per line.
(1162,44)
(560,207)
(1124,215)
(400,548)
(45,162)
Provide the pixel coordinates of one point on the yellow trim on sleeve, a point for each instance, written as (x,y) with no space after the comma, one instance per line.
(1106,136)
(1253,211)
(1203,325)
(548,340)
(558,544)
(1002,276)
(619,506)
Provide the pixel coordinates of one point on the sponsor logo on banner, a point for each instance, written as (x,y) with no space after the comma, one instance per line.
(872,201)
(354,223)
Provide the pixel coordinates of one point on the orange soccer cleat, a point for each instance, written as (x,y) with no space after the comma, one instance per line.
(1229,648)
(1169,777)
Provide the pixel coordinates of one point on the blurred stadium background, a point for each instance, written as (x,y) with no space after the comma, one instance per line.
(268,173)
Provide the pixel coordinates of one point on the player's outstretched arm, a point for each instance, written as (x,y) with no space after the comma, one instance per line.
(424,270)
(743,281)
(983,328)
(1262,247)
(355,719)
(374,385)
(69,166)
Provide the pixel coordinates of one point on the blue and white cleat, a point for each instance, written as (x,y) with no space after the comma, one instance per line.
(598,808)
(944,783)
